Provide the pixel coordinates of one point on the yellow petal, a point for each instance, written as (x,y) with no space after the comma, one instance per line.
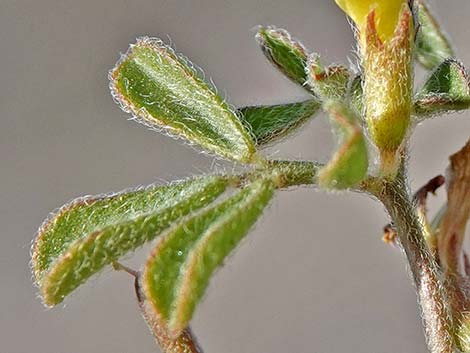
(387,13)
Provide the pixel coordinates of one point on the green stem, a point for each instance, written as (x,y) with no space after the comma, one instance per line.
(431,294)
(396,198)
(294,173)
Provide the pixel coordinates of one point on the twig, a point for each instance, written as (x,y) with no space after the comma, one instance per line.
(185,343)
(431,295)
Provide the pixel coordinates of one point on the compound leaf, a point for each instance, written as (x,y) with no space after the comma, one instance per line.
(162,90)
(268,123)
(89,233)
(179,268)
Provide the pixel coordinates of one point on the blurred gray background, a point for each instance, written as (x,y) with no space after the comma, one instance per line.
(313,277)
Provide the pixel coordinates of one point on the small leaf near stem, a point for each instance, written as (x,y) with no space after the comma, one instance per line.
(269,123)
(432,45)
(284,52)
(446,89)
(348,165)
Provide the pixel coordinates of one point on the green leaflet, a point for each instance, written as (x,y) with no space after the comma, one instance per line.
(447,88)
(327,82)
(432,46)
(179,269)
(268,123)
(162,90)
(348,166)
(287,54)
(87,234)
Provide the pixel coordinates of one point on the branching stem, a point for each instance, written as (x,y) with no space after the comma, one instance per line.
(399,203)
(431,294)
(184,343)
(395,196)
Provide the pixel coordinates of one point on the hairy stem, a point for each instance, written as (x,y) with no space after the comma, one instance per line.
(294,173)
(431,294)
(402,209)
(394,194)
(184,343)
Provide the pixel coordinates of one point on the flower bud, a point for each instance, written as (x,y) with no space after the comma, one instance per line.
(386,44)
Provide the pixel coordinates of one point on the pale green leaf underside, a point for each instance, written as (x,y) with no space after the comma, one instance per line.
(162,90)
(432,46)
(268,123)
(90,233)
(179,269)
(348,165)
(447,88)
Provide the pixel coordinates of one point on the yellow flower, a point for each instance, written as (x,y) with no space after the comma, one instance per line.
(387,13)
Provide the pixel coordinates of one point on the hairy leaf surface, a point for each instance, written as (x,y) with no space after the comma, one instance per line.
(178,270)
(89,233)
(272,122)
(285,53)
(447,88)
(162,90)
(432,46)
